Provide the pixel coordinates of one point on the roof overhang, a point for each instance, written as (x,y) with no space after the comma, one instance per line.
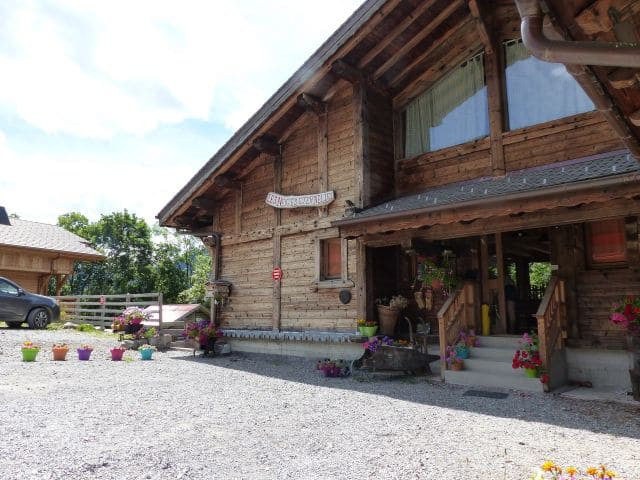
(85,257)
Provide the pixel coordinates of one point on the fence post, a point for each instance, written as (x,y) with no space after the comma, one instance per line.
(127,300)
(159,311)
(102,312)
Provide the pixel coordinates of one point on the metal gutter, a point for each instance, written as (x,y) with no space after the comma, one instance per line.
(608,54)
(291,86)
(615,180)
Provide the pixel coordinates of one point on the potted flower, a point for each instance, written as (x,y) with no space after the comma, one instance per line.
(367,328)
(528,356)
(453,361)
(131,318)
(472,338)
(332,368)
(84,352)
(627,315)
(118,324)
(375,343)
(146,352)
(462,348)
(117,353)
(204,332)
(60,351)
(388,311)
(29,351)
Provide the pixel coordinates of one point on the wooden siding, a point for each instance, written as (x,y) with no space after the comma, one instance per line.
(27,280)
(380,117)
(248,257)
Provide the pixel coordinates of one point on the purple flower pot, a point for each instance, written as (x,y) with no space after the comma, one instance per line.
(84,353)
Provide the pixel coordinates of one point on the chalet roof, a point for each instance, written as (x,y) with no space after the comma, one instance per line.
(614,165)
(42,236)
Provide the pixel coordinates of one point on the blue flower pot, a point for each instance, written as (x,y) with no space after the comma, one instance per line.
(462,351)
(146,354)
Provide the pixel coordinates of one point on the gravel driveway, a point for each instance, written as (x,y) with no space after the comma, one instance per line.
(260,417)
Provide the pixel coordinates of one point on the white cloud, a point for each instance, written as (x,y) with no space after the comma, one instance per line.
(96,69)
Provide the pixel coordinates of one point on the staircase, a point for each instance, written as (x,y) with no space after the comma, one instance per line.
(489,365)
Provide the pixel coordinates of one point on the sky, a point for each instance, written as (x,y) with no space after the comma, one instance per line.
(113,105)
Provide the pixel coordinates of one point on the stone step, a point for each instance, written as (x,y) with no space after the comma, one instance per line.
(475,364)
(496,354)
(500,341)
(484,380)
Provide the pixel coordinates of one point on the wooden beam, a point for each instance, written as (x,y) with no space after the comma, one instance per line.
(635,118)
(238,223)
(205,203)
(495,100)
(623,78)
(478,12)
(312,103)
(277,186)
(424,33)
(361,146)
(226,181)
(267,144)
(397,30)
(361,279)
(502,301)
(345,71)
(277,285)
(484,269)
(323,158)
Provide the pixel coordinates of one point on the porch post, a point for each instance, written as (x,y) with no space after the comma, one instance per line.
(502,301)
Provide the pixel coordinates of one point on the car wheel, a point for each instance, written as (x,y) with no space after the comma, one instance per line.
(38,318)
(13,324)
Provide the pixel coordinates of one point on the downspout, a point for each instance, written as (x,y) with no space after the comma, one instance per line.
(608,54)
(576,54)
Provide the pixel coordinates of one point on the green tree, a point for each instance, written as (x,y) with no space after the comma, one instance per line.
(201,271)
(539,274)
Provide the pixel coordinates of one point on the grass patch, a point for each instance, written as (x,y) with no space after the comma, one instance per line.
(83,328)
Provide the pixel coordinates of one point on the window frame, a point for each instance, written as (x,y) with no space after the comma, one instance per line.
(400,114)
(343,280)
(594,265)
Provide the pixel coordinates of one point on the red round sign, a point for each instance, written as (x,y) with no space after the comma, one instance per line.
(277,273)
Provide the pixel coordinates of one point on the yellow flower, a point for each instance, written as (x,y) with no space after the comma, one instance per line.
(548,466)
(592,471)
(571,470)
(610,474)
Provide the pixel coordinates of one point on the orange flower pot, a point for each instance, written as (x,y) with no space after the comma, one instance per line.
(60,354)
(457,366)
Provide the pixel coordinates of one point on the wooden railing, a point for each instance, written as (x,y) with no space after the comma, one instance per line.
(456,315)
(100,310)
(552,324)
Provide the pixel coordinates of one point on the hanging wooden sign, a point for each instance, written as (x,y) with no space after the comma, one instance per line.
(297,201)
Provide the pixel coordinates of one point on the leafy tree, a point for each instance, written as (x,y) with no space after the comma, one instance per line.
(195,293)
(539,274)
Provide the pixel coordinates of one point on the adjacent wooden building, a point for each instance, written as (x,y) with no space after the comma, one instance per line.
(31,253)
(425,129)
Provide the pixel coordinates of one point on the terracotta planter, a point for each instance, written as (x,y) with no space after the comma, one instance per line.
(436,284)
(456,366)
(387,319)
(59,354)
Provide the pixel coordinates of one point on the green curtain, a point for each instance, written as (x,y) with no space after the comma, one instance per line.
(429,109)
(515,51)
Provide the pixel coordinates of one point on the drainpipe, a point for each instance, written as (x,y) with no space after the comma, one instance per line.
(614,54)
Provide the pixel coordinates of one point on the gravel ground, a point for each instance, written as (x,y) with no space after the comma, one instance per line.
(254,417)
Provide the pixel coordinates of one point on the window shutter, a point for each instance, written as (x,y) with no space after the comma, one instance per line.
(607,241)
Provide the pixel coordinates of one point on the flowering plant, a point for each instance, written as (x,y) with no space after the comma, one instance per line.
(85,346)
(375,343)
(451,357)
(203,330)
(146,347)
(397,302)
(333,368)
(627,314)
(119,347)
(30,345)
(528,355)
(132,316)
(60,346)
(361,322)
(551,471)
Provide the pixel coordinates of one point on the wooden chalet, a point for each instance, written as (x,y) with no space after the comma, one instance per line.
(31,253)
(427,129)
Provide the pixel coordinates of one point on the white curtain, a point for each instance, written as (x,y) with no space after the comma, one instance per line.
(538,91)
(453,111)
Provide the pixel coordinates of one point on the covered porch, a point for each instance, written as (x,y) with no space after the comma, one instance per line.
(530,251)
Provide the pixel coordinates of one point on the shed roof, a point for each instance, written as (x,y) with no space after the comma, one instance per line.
(43,236)
(176,312)
(538,180)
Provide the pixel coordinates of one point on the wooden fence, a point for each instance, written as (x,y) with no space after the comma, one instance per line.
(100,310)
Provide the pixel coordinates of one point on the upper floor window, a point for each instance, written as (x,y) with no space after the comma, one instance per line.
(538,91)
(451,112)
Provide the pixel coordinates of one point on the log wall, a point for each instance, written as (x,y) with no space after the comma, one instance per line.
(248,256)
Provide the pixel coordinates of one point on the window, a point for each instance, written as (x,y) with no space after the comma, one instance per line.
(331,259)
(538,91)
(453,111)
(607,242)
(7,288)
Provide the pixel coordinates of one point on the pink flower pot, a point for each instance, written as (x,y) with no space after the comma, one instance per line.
(116,354)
